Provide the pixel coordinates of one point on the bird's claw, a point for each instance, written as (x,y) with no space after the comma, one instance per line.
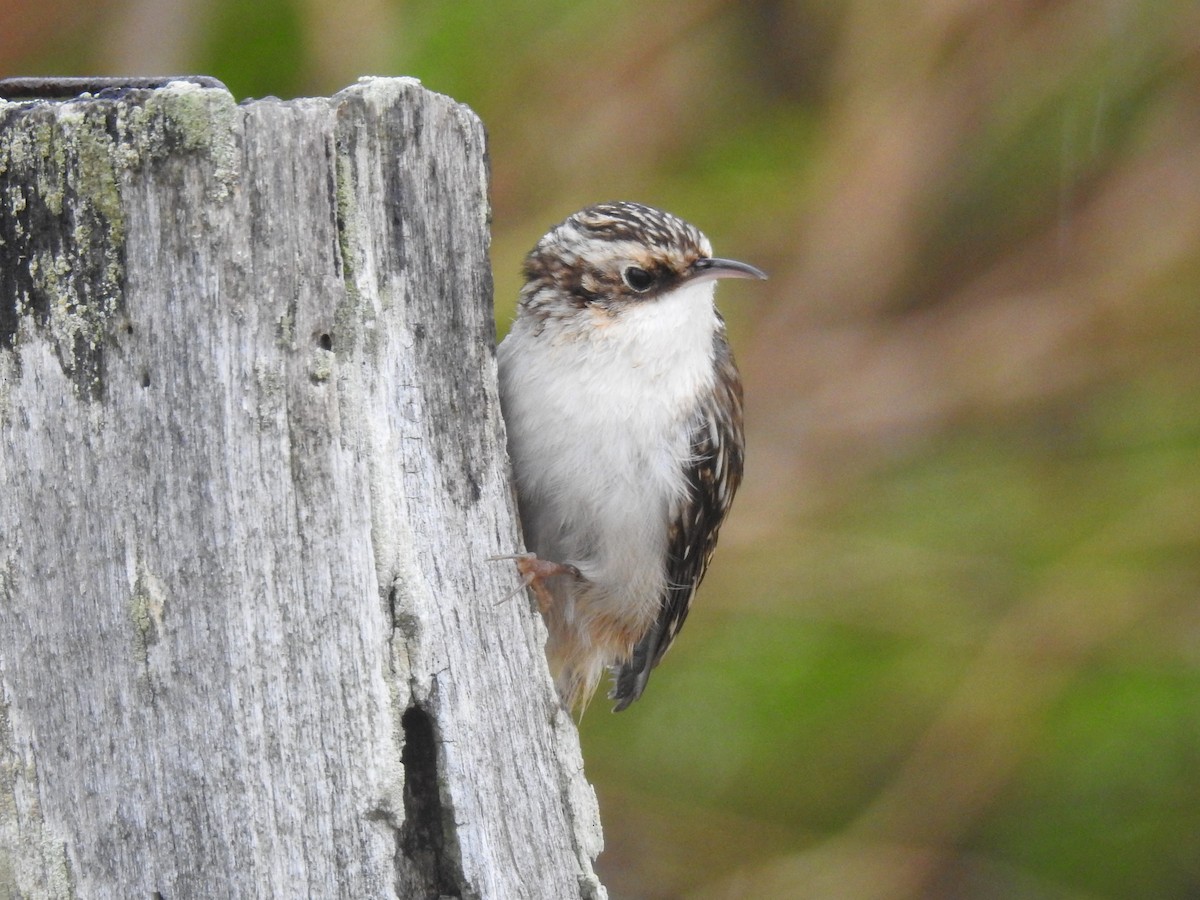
(534,572)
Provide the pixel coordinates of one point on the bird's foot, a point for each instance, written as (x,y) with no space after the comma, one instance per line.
(534,574)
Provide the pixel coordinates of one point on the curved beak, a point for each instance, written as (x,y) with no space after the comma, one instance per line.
(712,267)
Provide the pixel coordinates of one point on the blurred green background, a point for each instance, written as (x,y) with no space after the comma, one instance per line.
(950,645)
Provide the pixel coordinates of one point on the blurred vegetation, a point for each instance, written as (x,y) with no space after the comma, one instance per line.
(950,646)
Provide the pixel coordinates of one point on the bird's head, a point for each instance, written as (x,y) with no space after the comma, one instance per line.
(613,256)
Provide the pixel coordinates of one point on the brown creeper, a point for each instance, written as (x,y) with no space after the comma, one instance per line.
(624,416)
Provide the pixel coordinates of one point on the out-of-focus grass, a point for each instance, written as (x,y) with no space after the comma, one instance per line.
(813,681)
(253,46)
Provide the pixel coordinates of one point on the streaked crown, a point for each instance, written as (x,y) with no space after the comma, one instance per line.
(610,253)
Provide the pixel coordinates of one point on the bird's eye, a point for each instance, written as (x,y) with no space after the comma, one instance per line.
(638,279)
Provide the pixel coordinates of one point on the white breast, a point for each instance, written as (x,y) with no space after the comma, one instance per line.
(596,413)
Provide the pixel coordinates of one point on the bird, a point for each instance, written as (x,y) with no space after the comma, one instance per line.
(623,411)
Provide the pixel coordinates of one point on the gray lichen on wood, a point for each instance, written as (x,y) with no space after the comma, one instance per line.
(252,465)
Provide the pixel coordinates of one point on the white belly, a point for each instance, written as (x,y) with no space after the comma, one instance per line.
(597,434)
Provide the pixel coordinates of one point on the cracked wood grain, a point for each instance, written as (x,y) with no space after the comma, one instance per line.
(252,466)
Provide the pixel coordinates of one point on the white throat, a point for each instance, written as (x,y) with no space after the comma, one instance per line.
(663,345)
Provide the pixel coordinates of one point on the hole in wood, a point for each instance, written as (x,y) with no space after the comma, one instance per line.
(423,835)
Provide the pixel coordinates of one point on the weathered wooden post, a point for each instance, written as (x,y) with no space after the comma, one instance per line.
(251,470)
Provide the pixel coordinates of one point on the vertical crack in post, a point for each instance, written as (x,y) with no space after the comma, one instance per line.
(423,836)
